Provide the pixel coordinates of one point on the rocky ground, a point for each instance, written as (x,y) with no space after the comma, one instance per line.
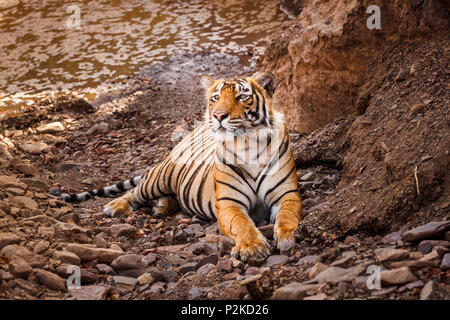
(70,144)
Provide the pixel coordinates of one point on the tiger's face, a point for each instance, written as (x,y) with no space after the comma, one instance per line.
(236,106)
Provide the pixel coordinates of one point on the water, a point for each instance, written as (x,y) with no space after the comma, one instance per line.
(42,51)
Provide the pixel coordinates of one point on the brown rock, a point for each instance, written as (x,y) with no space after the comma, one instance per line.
(18,267)
(34,148)
(426,231)
(390,254)
(67,257)
(276,260)
(316,269)
(7,238)
(35,260)
(50,280)
(397,276)
(88,293)
(335,274)
(10,182)
(294,291)
(122,230)
(54,127)
(89,253)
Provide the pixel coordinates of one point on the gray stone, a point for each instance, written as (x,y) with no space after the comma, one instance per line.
(445,265)
(308,260)
(276,260)
(129,265)
(390,254)
(392,237)
(124,284)
(294,291)
(101,127)
(204,270)
(194,293)
(336,274)
(427,291)
(187,267)
(426,231)
(211,259)
(88,293)
(149,259)
(397,276)
(426,246)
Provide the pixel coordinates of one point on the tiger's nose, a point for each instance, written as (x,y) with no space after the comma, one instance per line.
(219,115)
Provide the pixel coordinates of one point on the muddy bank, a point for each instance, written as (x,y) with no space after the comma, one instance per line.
(322,57)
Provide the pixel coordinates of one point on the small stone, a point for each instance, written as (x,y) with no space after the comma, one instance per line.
(427,291)
(188,267)
(204,270)
(54,127)
(307,176)
(320,296)
(308,260)
(397,276)
(34,148)
(129,265)
(415,255)
(105,269)
(99,241)
(89,253)
(194,293)
(124,229)
(67,257)
(426,246)
(7,238)
(24,202)
(18,267)
(445,265)
(225,265)
(392,237)
(149,259)
(88,293)
(145,278)
(426,231)
(202,248)
(157,274)
(415,109)
(211,259)
(13,250)
(124,284)
(349,240)
(157,287)
(50,280)
(27,169)
(390,254)
(335,275)
(316,269)
(294,291)
(276,260)
(102,127)
(10,182)
(414,284)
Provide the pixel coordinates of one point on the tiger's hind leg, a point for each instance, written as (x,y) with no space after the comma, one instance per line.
(165,206)
(121,206)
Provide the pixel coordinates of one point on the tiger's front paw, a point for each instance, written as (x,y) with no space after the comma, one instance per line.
(284,239)
(118,207)
(251,246)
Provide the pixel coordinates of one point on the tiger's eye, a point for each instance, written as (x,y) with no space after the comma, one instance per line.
(243,97)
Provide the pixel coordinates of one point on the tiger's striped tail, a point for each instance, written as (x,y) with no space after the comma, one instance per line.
(103,192)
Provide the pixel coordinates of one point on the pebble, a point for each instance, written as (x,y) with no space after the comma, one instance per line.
(34,148)
(225,265)
(445,265)
(308,260)
(294,291)
(204,270)
(10,182)
(145,278)
(194,293)
(105,269)
(157,287)
(392,237)
(188,267)
(50,280)
(35,260)
(427,291)
(225,245)
(27,169)
(101,127)
(397,276)
(66,256)
(18,267)
(88,293)
(390,254)
(316,269)
(124,229)
(124,284)
(426,246)
(426,231)
(53,127)
(129,265)
(89,253)
(7,238)
(349,240)
(335,275)
(211,259)
(149,259)
(276,260)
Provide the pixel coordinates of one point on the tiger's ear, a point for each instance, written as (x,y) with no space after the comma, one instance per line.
(206,81)
(266,80)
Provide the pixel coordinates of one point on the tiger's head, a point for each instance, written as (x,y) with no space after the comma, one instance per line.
(240,105)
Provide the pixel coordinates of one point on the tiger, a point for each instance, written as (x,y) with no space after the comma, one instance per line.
(236,168)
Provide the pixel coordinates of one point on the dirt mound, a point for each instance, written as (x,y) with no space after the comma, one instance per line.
(321,58)
(395,156)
